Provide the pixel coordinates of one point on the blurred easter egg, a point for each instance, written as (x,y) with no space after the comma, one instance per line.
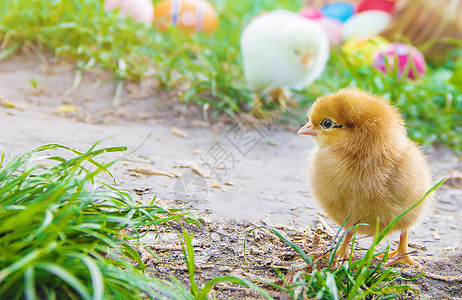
(338,10)
(310,13)
(189,15)
(370,22)
(404,56)
(363,48)
(140,10)
(333,28)
(385,5)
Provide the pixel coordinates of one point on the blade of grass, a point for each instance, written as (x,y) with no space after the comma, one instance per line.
(63,274)
(285,240)
(189,257)
(97,281)
(29,284)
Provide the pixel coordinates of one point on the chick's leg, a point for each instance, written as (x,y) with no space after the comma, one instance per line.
(280,97)
(269,105)
(402,255)
(342,251)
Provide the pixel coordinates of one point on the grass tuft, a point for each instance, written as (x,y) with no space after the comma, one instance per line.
(61,230)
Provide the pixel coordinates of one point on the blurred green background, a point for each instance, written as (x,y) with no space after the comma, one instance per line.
(207,70)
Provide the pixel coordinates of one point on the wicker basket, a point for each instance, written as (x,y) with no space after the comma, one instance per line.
(421,21)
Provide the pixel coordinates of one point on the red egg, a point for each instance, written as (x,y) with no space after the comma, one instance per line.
(385,5)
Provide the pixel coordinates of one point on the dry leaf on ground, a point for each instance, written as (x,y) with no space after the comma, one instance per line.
(179,132)
(195,167)
(8,104)
(151,171)
(66,108)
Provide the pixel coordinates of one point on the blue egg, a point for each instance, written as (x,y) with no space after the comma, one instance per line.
(338,10)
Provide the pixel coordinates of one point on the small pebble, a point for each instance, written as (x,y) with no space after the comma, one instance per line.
(215,237)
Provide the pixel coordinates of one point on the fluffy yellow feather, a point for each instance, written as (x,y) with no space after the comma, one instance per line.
(366,168)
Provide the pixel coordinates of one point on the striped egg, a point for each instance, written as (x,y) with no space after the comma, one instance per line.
(189,15)
(406,57)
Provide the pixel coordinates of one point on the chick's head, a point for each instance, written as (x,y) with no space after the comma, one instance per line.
(353,119)
(304,45)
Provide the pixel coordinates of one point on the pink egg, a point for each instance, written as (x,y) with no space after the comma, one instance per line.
(310,13)
(402,54)
(333,28)
(140,10)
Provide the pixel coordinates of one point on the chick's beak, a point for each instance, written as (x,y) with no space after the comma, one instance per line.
(306,60)
(307,129)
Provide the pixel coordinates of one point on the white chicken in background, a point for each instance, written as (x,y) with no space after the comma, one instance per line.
(283,50)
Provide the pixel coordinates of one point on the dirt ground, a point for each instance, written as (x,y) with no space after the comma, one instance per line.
(232,179)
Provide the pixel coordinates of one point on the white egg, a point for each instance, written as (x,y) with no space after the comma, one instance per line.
(370,22)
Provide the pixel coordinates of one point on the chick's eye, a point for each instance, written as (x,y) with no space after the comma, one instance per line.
(327,124)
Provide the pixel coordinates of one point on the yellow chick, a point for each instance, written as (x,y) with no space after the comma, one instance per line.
(366,168)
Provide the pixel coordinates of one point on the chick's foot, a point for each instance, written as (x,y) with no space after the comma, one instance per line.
(405,259)
(390,254)
(402,253)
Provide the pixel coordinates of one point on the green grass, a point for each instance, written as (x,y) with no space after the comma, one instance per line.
(354,279)
(206,70)
(61,235)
